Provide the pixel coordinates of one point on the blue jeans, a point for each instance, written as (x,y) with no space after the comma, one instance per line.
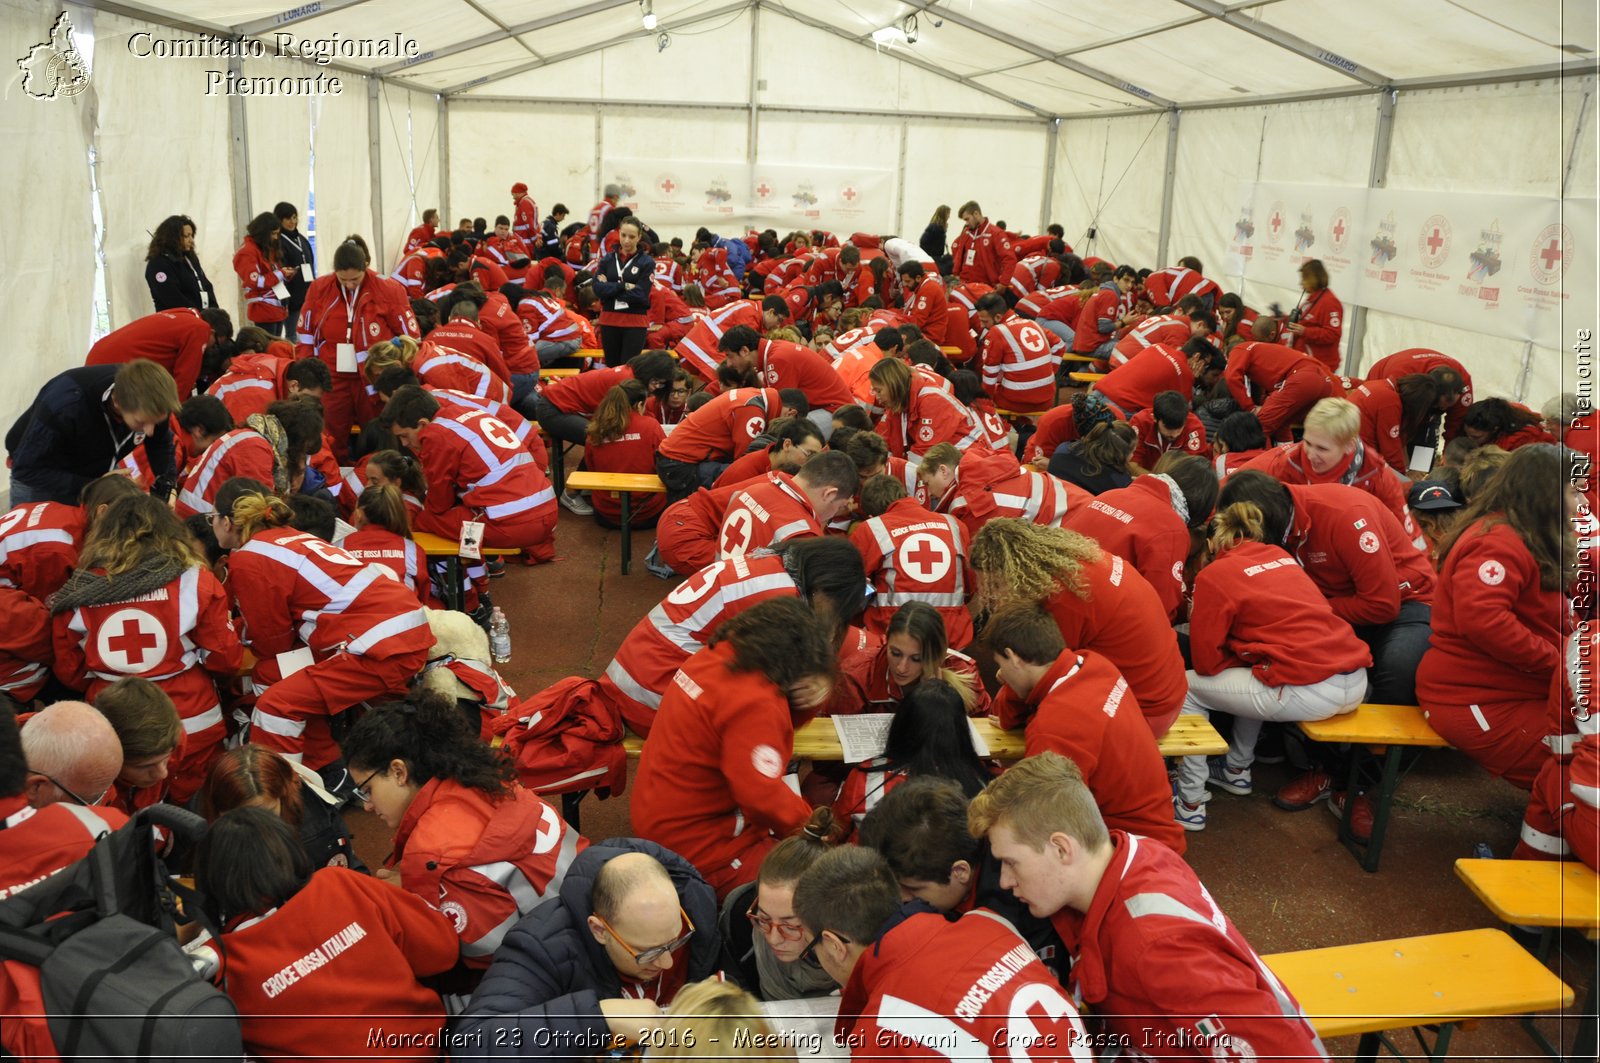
(1397,649)
(22,495)
(1060,328)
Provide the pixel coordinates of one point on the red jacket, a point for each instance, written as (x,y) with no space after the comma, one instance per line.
(932,415)
(1101,308)
(764,513)
(1289,465)
(1255,608)
(380,546)
(681,625)
(723,428)
(1056,427)
(865,684)
(1322,314)
(1381,412)
(420,235)
(378,311)
(25,645)
(1082,708)
(259,278)
(1157,958)
(633,451)
(238,452)
(1267,366)
(710,781)
(1020,360)
(914,555)
(345,945)
(39,547)
(746,467)
(969,989)
(926,305)
(525,220)
(1172,330)
(1033,271)
(482,861)
(35,843)
(176,340)
(780,364)
(983,255)
(463,337)
(1134,384)
(990,484)
(545,319)
(525,431)
(441,367)
(698,348)
(507,248)
(471,458)
(1147,451)
(581,394)
(1139,524)
(1165,287)
(1120,618)
(1497,635)
(412,271)
(1357,553)
(252,383)
(1421,360)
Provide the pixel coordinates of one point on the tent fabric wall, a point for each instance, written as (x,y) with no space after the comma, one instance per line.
(555,156)
(409,152)
(150,166)
(343,170)
(1109,176)
(278,143)
(1000,166)
(47,284)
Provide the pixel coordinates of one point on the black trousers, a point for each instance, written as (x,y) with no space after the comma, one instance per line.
(621,342)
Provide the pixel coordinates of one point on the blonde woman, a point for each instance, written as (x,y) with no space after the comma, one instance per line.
(715,1020)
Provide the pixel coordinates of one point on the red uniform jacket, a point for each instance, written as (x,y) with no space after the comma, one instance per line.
(35,843)
(173,339)
(484,862)
(440,367)
(471,457)
(581,394)
(914,555)
(412,272)
(505,250)
(1157,958)
(1055,428)
(1139,524)
(723,428)
(525,220)
(252,383)
(240,452)
(1255,608)
(1082,708)
(1165,287)
(525,431)
(420,235)
(545,320)
(970,990)
(1268,366)
(1357,553)
(983,255)
(710,783)
(259,277)
(1101,308)
(292,589)
(39,547)
(931,416)
(926,305)
(1421,360)
(680,626)
(698,348)
(345,945)
(1121,618)
(1148,450)
(1323,317)
(688,533)
(1497,635)
(633,451)
(1134,385)
(380,546)
(1172,330)
(463,337)
(990,484)
(780,364)
(1019,364)
(1379,403)
(769,511)
(1033,272)
(1289,464)
(378,311)
(865,684)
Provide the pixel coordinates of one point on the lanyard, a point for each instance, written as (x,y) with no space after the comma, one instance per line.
(350,300)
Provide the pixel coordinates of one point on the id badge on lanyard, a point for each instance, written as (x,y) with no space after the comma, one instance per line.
(345,353)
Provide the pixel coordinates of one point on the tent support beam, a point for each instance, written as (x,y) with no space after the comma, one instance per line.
(1584,111)
(900,180)
(292,15)
(1052,143)
(444,162)
(375,167)
(1377,177)
(755,73)
(1288,41)
(949,14)
(509,32)
(239,153)
(766,108)
(1169,185)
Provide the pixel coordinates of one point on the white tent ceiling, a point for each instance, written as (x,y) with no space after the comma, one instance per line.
(1046,58)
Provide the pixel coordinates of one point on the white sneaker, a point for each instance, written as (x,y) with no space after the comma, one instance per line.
(1192,817)
(1223,777)
(577,504)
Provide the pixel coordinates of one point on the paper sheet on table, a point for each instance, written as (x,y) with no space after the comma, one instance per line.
(806,1026)
(979,746)
(864,736)
(1422,458)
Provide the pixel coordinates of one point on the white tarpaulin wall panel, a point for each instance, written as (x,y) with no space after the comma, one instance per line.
(408,143)
(1000,166)
(577,79)
(278,139)
(556,159)
(151,166)
(1109,173)
(1510,139)
(639,70)
(343,170)
(48,286)
(796,140)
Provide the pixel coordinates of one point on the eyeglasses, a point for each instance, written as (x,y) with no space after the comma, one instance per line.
(59,785)
(766,924)
(651,955)
(360,789)
(810,954)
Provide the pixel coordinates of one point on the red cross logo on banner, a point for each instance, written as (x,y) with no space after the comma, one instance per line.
(1338,229)
(1435,241)
(1277,221)
(736,533)
(132,641)
(763,190)
(924,558)
(1551,255)
(668,185)
(850,194)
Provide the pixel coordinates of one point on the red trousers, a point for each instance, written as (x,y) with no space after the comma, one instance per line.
(1506,737)
(346,403)
(684,543)
(1550,810)
(1301,390)
(284,714)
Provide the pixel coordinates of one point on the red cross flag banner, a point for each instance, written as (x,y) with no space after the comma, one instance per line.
(730,196)
(1517,267)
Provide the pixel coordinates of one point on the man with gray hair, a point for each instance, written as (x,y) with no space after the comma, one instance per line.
(597,216)
(72,754)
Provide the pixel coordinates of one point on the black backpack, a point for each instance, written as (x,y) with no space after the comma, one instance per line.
(114,981)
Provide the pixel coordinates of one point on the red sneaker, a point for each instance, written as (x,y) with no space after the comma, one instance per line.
(1297,795)
(1360,815)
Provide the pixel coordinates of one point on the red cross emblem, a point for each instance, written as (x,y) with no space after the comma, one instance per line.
(667,185)
(1277,221)
(1338,230)
(850,194)
(1492,573)
(1435,241)
(132,641)
(1551,254)
(763,190)
(736,533)
(924,558)
(696,585)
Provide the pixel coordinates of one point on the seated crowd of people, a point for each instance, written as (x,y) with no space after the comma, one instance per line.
(885,493)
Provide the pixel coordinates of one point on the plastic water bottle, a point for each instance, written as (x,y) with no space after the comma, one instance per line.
(499,636)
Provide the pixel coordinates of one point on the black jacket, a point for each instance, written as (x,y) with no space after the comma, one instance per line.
(176,281)
(69,436)
(541,996)
(1067,464)
(630,283)
(933,241)
(298,254)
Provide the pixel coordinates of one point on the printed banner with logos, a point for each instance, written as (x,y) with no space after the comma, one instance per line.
(677,195)
(1518,267)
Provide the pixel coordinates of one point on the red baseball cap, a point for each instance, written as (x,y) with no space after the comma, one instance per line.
(518,189)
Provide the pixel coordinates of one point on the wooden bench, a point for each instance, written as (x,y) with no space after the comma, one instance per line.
(449,551)
(626,485)
(1380,731)
(558,374)
(1551,895)
(1435,980)
(1018,415)
(1073,356)
(819,740)
(1086,378)
(589,353)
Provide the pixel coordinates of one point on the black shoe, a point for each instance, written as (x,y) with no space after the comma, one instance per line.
(496,566)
